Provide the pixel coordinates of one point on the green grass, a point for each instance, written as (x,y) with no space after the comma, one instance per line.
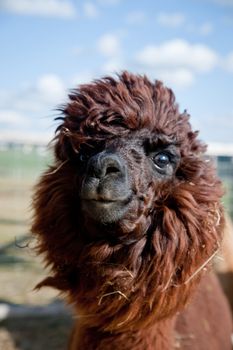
(21,163)
(19,171)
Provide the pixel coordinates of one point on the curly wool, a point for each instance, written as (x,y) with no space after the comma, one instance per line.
(149,272)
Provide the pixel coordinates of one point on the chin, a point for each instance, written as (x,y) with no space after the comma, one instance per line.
(105,212)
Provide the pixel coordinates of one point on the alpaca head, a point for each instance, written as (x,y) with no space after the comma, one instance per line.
(129,213)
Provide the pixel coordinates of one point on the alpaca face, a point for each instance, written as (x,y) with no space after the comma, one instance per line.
(118,178)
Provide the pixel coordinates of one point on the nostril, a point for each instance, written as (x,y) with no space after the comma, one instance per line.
(112,170)
(104,165)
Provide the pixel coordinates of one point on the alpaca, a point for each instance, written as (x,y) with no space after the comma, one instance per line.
(129,217)
(224,265)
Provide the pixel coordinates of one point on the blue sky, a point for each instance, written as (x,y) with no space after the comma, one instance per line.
(50,46)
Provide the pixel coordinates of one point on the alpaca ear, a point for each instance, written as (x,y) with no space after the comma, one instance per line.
(63,147)
(61,150)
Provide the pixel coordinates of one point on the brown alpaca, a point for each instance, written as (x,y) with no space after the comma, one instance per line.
(129,217)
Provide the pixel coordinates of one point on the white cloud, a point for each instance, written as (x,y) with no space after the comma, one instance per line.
(109,45)
(203,29)
(12,118)
(49,88)
(30,114)
(113,65)
(83,78)
(178,19)
(179,78)
(90,10)
(228,62)
(136,17)
(47,8)
(3,96)
(178,53)
(42,95)
(175,19)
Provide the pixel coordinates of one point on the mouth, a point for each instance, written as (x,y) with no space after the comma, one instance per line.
(106,210)
(102,200)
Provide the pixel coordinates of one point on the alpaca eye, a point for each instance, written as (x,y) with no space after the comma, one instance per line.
(83,157)
(161,160)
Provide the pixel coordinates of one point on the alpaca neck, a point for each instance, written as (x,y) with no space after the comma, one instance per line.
(158,337)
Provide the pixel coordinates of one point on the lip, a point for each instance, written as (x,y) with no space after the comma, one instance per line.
(106,201)
(101,201)
(105,210)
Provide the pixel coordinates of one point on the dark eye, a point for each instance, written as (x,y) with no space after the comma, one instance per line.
(161,160)
(83,157)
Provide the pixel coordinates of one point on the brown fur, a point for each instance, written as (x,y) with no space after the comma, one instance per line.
(223,264)
(128,281)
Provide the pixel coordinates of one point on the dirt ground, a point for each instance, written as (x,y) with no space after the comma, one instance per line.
(39,320)
(43,333)
(29,327)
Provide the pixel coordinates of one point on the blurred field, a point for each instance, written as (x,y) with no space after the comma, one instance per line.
(19,170)
(20,269)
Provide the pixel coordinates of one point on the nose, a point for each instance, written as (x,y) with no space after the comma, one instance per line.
(104,165)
